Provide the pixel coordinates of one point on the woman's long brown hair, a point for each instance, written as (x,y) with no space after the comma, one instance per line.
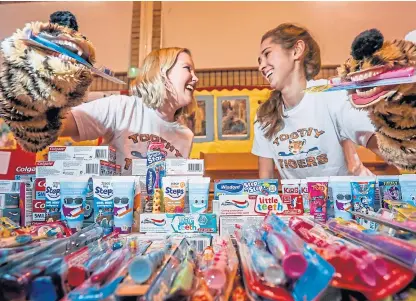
(270,113)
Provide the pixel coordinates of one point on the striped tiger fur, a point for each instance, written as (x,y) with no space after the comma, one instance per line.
(392,109)
(38,87)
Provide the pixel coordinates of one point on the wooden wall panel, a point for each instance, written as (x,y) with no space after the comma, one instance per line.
(211,78)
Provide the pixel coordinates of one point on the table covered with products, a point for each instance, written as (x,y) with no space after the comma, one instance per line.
(78,230)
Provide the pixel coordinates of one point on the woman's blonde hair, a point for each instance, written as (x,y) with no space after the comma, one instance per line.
(270,113)
(152,83)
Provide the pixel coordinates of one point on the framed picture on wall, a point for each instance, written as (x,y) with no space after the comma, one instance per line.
(201,122)
(233,117)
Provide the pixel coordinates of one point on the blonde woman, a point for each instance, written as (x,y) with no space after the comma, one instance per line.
(162,93)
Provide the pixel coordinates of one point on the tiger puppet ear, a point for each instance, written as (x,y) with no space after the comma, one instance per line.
(392,108)
(38,86)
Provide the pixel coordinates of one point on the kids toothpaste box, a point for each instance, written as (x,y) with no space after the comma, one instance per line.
(284,204)
(179,223)
(245,187)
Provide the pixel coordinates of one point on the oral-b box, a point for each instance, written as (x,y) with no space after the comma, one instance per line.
(285,204)
(245,187)
(179,223)
(67,153)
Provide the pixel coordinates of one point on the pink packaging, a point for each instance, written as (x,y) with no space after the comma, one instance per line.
(318,195)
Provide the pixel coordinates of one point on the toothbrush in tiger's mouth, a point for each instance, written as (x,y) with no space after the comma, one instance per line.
(64,50)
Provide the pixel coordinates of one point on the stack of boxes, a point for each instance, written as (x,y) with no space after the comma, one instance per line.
(181,171)
(72,161)
(240,202)
(78,161)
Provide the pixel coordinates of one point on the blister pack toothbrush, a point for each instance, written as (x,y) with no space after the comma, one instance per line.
(357,269)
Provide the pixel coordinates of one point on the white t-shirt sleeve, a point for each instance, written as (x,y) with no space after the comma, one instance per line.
(352,123)
(261,145)
(98,118)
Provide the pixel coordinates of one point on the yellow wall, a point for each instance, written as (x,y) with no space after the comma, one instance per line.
(230,146)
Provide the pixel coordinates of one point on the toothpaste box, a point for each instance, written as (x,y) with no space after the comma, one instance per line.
(284,204)
(12,214)
(17,195)
(9,194)
(74,168)
(228,223)
(25,173)
(178,223)
(184,167)
(245,187)
(68,153)
(174,167)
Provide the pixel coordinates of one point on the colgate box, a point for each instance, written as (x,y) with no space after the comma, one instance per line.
(178,223)
(102,152)
(26,172)
(245,187)
(284,204)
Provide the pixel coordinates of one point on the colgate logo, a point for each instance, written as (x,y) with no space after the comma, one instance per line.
(57,149)
(41,183)
(45,163)
(26,169)
(39,205)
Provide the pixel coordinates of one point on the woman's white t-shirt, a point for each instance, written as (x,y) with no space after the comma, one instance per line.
(310,142)
(127,124)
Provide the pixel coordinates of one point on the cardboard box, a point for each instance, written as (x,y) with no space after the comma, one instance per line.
(67,153)
(179,223)
(285,204)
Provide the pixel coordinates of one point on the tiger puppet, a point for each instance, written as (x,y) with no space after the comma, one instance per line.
(38,86)
(392,108)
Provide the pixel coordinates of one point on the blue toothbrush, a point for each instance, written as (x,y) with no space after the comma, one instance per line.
(38,41)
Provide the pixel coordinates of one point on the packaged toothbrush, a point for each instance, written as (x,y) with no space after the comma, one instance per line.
(124,190)
(156,170)
(357,268)
(103,201)
(341,196)
(198,194)
(389,187)
(304,267)
(395,248)
(363,195)
(305,195)
(318,195)
(73,193)
(408,188)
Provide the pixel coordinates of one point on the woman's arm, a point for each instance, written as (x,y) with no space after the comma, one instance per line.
(354,164)
(266,168)
(70,128)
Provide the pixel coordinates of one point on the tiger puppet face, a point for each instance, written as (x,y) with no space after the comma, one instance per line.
(38,86)
(392,108)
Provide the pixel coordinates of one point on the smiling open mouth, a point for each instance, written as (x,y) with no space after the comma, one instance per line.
(364,97)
